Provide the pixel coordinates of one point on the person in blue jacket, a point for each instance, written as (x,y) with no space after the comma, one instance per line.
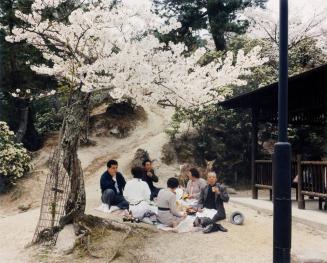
(112,185)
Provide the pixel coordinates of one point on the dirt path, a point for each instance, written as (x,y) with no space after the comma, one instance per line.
(17,228)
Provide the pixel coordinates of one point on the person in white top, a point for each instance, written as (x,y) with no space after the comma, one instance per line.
(137,193)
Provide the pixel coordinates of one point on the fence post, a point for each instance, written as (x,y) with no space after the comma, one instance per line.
(301,204)
(254,147)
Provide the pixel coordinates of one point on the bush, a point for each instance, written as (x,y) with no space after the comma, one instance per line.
(47,122)
(49,114)
(14,159)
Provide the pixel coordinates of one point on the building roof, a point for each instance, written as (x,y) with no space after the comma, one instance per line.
(307,99)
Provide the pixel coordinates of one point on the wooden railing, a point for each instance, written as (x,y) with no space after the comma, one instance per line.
(264,173)
(311,180)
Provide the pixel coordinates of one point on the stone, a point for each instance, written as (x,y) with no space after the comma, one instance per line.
(24,207)
(66,240)
(139,156)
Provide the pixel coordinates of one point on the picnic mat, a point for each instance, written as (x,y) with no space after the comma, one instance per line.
(184,226)
(113,210)
(187,224)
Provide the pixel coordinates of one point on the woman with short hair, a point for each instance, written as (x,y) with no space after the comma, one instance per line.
(195,184)
(168,213)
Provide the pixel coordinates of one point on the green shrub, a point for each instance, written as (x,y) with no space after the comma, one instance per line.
(14,159)
(47,121)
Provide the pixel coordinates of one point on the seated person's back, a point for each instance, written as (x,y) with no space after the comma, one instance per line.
(137,193)
(136,190)
(168,213)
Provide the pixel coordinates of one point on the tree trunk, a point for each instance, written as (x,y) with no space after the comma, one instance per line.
(69,140)
(24,106)
(217,23)
(32,140)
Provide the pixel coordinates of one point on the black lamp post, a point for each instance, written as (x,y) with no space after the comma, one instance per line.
(282,154)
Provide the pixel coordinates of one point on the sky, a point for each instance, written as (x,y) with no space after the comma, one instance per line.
(305,8)
(309,5)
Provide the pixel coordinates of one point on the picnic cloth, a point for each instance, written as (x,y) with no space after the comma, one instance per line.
(104,208)
(184,226)
(207,213)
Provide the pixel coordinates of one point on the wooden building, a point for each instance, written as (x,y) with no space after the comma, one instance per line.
(307,102)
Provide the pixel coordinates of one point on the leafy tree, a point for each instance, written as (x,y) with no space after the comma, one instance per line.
(16,76)
(219,17)
(225,134)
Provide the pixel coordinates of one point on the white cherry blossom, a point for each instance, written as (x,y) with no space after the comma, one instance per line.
(116,47)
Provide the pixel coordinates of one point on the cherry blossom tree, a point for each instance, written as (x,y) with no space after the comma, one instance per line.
(305,22)
(110,44)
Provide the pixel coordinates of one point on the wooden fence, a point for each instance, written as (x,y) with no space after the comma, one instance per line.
(308,177)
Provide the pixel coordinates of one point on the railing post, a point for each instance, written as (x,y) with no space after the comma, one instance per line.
(254,138)
(301,204)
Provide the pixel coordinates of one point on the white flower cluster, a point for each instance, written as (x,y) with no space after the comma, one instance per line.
(27,94)
(306,20)
(103,47)
(14,159)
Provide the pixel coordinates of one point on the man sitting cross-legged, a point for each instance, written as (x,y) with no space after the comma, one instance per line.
(112,186)
(212,197)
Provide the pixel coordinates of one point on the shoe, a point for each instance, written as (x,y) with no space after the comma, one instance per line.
(105,208)
(221,228)
(208,229)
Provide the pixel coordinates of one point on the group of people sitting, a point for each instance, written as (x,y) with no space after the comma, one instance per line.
(135,196)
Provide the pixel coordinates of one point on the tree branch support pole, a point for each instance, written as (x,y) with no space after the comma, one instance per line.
(282,155)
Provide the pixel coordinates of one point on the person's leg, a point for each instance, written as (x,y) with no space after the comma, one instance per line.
(220,215)
(108,197)
(121,202)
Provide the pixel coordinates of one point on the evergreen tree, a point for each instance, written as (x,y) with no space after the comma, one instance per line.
(219,17)
(15,72)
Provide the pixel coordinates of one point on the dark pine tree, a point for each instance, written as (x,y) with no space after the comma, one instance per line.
(219,17)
